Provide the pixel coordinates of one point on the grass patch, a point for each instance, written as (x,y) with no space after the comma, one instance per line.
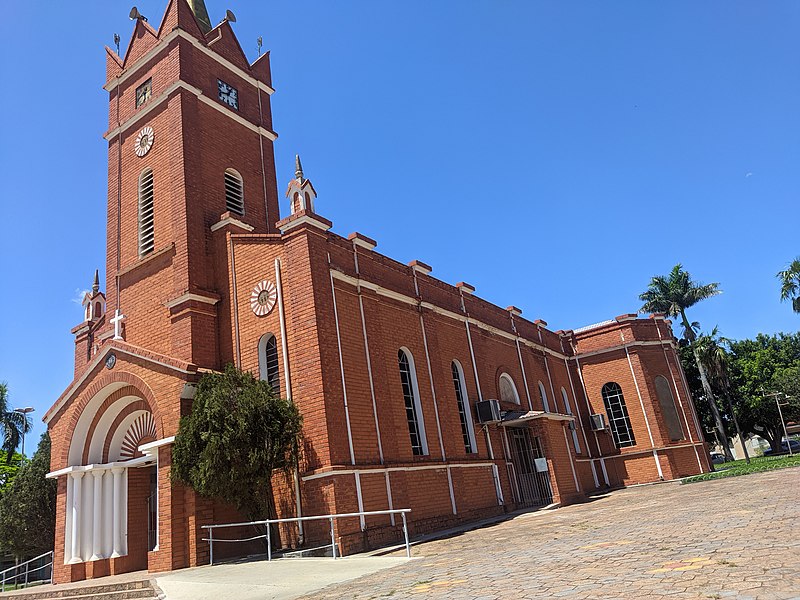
(740,467)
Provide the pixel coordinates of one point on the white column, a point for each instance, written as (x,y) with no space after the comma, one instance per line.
(76,517)
(97,539)
(117,513)
(158,507)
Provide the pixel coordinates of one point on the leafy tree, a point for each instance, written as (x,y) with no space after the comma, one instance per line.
(12,424)
(28,508)
(716,359)
(238,433)
(672,295)
(760,368)
(790,284)
(8,470)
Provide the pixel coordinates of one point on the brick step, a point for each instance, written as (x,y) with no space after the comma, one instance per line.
(131,590)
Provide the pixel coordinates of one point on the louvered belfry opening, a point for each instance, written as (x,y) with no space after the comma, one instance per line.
(146,227)
(234,192)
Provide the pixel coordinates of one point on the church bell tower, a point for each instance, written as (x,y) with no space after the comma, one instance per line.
(191,162)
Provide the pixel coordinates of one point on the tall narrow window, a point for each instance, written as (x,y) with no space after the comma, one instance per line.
(408,379)
(508,391)
(618,417)
(463,407)
(572,424)
(146,229)
(268,361)
(543,395)
(234,192)
(668,410)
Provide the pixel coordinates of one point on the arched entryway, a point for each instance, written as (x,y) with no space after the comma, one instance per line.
(111,483)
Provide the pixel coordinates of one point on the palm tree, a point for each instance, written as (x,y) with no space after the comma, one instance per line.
(672,295)
(12,425)
(715,357)
(790,284)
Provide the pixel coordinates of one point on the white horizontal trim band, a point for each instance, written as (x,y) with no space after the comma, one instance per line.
(271,135)
(187,297)
(131,70)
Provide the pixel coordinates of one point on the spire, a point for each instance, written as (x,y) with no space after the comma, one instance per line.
(201,14)
(298,168)
(96,284)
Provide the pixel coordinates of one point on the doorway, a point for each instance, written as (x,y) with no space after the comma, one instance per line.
(533,485)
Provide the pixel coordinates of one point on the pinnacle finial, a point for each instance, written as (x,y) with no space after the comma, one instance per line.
(201,14)
(298,168)
(96,284)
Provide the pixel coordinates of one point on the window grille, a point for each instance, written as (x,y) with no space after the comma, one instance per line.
(234,192)
(618,418)
(508,391)
(146,227)
(543,396)
(461,399)
(412,402)
(268,361)
(668,410)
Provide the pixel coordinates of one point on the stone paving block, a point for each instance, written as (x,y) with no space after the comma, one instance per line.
(730,538)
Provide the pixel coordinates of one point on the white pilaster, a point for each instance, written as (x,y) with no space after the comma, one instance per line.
(117,513)
(97,521)
(76,518)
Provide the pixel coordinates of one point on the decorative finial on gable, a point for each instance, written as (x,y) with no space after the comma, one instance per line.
(300,190)
(96,284)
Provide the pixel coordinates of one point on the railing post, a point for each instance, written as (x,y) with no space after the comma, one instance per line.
(405,535)
(269,542)
(27,565)
(333,539)
(210,545)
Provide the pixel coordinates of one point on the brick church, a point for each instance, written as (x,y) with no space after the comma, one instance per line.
(415,393)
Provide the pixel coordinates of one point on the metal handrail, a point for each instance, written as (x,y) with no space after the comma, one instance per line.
(5,579)
(267,522)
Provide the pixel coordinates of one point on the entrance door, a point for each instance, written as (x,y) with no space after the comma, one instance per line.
(533,486)
(152,512)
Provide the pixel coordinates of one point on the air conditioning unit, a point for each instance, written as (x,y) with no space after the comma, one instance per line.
(488,411)
(598,422)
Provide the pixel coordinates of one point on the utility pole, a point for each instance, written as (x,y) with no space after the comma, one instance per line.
(777,396)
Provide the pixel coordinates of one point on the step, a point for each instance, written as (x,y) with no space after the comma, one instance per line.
(129,590)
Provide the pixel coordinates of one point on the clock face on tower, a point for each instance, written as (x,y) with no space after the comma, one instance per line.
(228,94)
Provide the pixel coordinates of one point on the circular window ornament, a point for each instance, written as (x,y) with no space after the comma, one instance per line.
(144,141)
(263,298)
(111,360)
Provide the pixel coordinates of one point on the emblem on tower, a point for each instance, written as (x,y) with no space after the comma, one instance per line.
(263,298)
(144,141)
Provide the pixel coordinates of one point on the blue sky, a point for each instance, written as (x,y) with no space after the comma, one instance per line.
(555,155)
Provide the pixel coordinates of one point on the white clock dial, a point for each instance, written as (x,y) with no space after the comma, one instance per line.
(144,141)
(263,298)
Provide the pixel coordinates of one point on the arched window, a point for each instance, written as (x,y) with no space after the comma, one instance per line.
(234,192)
(268,361)
(146,229)
(408,379)
(463,407)
(508,391)
(618,418)
(668,410)
(543,396)
(572,424)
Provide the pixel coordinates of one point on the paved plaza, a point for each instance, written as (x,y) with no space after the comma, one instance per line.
(730,538)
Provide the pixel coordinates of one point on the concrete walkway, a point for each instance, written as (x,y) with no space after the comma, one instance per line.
(276,580)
